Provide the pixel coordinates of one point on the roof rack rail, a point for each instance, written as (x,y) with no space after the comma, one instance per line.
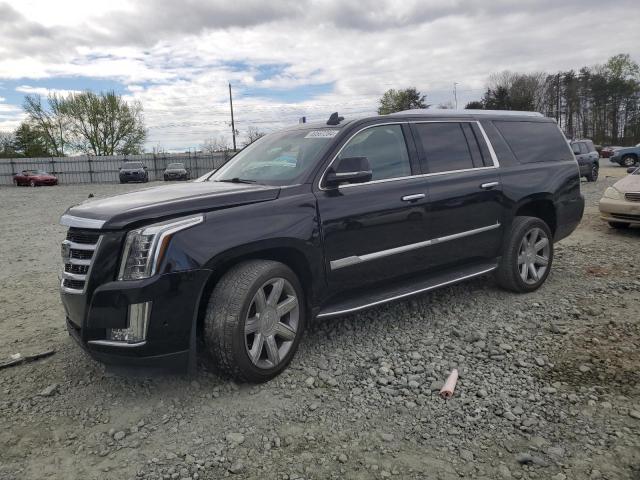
(447,111)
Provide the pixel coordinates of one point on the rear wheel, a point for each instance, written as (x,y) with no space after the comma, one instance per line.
(592,176)
(32,183)
(255,319)
(628,161)
(619,225)
(527,257)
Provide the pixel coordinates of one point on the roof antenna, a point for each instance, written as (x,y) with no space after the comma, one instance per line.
(334,119)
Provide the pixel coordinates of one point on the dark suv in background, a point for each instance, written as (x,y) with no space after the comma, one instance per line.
(318,220)
(133,172)
(588,158)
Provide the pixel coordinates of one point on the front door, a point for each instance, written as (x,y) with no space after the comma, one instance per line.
(366,226)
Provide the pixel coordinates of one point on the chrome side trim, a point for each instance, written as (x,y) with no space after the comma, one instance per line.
(80,222)
(113,343)
(494,157)
(355,259)
(408,294)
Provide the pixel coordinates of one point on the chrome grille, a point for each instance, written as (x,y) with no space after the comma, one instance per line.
(77,255)
(632,196)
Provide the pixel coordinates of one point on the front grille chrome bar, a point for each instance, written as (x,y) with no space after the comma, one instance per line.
(71,280)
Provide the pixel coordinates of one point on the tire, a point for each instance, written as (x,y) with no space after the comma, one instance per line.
(165,178)
(619,225)
(32,183)
(516,256)
(245,349)
(628,161)
(592,176)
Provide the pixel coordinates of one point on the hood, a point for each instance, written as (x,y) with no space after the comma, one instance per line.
(43,177)
(156,203)
(175,170)
(132,169)
(630,183)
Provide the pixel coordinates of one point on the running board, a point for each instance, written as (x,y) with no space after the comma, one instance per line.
(405,288)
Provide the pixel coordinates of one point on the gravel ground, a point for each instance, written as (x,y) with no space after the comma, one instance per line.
(548,383)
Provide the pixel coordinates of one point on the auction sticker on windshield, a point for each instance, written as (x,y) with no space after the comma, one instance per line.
(322,133)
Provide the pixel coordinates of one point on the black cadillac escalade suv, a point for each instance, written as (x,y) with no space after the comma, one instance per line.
(317,220)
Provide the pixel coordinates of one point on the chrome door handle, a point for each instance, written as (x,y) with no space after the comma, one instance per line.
(487,186)
(413,198)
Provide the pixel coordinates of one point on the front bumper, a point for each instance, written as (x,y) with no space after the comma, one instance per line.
(175,299)
(621,211)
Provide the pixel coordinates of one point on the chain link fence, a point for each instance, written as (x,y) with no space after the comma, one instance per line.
(104,169)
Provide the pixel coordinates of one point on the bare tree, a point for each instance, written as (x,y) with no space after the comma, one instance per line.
(448,105)
(51,120)
(105,124)
(253,134)
(215,144)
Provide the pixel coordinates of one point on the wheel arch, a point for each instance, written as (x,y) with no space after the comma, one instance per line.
(541,206)
(290,252)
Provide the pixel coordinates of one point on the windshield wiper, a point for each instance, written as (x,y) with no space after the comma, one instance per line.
(236,180)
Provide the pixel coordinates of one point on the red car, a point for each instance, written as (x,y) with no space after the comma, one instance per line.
(34,178)
(607,152)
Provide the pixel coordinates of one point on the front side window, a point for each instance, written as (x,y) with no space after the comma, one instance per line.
(384,147)
(445,146)
(583,148)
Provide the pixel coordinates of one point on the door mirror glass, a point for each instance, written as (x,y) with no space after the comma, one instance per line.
(349,170)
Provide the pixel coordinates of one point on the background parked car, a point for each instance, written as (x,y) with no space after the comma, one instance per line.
(133,172)
(588,159)
(608,151)
(626,156)
(34,178)
(176,171)
(620,204)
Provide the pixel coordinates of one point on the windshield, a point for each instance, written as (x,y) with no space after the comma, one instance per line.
(36,172)
(132,165)
(175,166)
(282,158)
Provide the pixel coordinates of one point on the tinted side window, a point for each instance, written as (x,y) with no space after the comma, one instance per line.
(445,146)
(583,148)
(385,148)
(575,148)
(535,141)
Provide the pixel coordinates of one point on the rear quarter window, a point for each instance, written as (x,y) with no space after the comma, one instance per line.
(533,142)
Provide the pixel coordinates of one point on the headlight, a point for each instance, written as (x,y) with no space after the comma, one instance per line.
(612,193)
(144,247)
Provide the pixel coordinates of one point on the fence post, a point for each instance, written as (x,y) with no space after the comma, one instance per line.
(155,167)
(13,167)
(90,169)
(53,166)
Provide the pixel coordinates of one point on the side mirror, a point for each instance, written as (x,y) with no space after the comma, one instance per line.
(144,166)
(349,170)
(631,169)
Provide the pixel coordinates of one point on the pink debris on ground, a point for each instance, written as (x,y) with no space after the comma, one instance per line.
(449,386)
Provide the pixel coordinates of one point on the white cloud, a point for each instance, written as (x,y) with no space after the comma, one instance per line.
(177,57)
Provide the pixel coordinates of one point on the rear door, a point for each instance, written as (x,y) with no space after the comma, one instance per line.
(466,209)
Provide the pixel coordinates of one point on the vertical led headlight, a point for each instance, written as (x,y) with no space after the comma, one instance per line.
(145,247)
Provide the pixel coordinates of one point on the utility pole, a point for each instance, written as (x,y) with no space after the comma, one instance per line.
(233,125)
(455,93)
(558,99)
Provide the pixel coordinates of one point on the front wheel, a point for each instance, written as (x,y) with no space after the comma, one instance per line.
(628,161)
(592,176)
(32,183)
(254,320)
(527,257)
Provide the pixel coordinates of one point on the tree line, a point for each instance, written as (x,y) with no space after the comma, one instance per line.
(600,102)
(86,122)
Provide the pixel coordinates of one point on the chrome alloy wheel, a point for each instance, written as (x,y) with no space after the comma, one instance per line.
(533,255)
(272,323)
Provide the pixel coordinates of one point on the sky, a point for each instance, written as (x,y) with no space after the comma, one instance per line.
(290,58)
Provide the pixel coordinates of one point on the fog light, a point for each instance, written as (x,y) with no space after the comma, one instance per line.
(136,332)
